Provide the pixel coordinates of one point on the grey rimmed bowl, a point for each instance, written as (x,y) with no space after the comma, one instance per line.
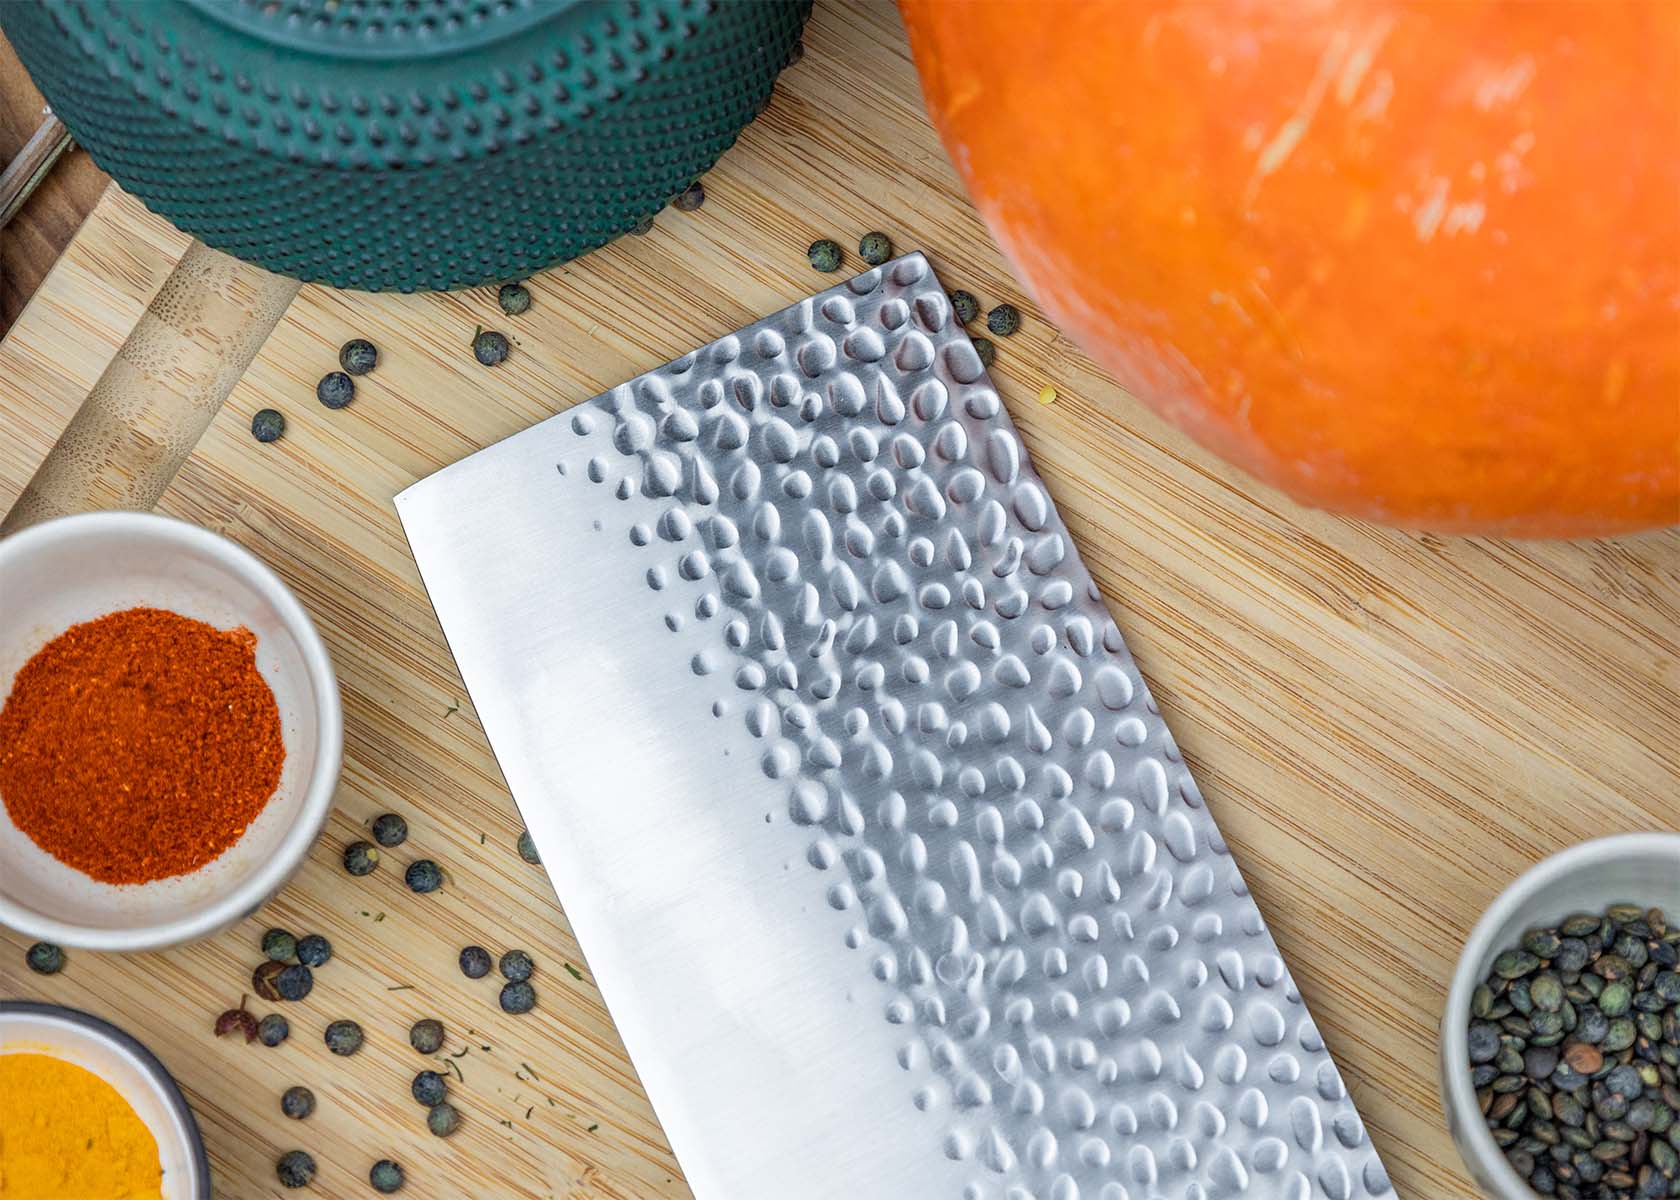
(1633,868)
(134,1071)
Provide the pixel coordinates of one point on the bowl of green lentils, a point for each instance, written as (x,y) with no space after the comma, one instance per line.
(1560,1042)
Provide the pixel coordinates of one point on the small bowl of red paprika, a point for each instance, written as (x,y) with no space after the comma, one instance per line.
(170,731)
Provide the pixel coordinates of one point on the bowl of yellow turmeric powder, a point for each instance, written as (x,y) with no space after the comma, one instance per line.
(88,1113)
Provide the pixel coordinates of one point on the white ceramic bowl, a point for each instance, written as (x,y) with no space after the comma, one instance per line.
(73,569)
(126,1065)
(1634,868)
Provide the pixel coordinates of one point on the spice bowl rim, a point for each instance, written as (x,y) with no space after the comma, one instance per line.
(1523,895)
(184,1122)
(325,712)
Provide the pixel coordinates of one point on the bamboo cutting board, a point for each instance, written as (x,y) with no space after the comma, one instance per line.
(1387,725)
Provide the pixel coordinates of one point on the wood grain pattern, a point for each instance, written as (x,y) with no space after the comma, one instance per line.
(1387,725)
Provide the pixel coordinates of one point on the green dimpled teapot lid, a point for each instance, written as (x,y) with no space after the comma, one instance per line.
(405,144)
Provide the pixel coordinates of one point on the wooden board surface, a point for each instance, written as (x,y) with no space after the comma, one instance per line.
(1387,725)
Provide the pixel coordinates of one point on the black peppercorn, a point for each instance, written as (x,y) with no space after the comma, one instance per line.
(516,965)
(295,1169)
(1004,320)
(390,830)
(987,352)
(267,425)
(490,347)
(442,1119)
(273,1029)
(313,950)
(294,982)
(964,306)
(278,945)
(825,254)
(336,389)
(358,356)
(519,997)
(475,962)
(360,858)
(690,198)
(515,298)
(297,1102)
(429,1088)
(386,1176)
(44,958)
(344,1037)
(875,248)
(426,1036)
(527,848)
(423,876)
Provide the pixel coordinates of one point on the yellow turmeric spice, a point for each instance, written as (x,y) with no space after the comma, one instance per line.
(66,1134)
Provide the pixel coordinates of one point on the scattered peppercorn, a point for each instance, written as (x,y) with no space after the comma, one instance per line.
(423,876)
(390,830)
(964,306)
(360,858)
(518,997)
(278,945)
(516,965)
(313,950)
(336,389)
(825,254)
(442,1119)
(264,980)
(527,847)
(44,958)
(429,1088)
(295,1169)
(386,1176)
(490,347)
(690,198)
(1004,320)
(297,1102)
(358,356)
(875,248)
(643,227)
(475,962)
(987,352)
(236,1019)
(267,425)
(294,982)
(344,1037)
(273,1029)
(515,298)
(426,1036)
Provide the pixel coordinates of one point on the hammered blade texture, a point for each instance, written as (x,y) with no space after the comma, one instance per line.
(861,563)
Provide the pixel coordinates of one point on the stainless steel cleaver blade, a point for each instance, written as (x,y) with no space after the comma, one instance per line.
(887,865)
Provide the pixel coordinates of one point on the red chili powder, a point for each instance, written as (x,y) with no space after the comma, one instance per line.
(140,745)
